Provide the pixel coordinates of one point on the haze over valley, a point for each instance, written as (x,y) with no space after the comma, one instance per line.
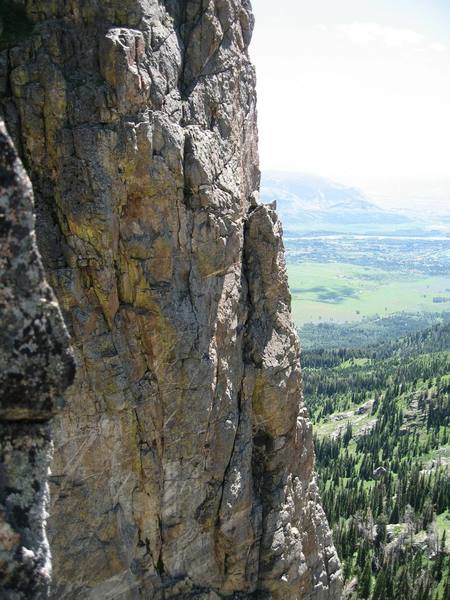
(349,258)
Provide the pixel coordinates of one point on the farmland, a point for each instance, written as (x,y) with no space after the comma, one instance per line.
(333,279)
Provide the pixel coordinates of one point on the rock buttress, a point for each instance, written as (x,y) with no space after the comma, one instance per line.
(35,368)
(183,463)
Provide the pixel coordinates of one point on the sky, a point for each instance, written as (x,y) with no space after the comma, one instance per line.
(357,91)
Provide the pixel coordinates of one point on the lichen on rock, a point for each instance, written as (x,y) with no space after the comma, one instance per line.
(35,368)
(184,461)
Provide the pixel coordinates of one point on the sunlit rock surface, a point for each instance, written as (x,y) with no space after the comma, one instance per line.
(184,461)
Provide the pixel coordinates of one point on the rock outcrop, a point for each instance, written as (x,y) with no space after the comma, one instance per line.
(184,461)
(35,368)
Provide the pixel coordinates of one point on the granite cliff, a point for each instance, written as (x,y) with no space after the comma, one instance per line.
(35,368)
(184,465)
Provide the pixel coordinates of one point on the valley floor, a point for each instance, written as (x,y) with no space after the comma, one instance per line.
(343,292)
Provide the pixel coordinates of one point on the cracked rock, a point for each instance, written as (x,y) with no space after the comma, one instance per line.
(184,465)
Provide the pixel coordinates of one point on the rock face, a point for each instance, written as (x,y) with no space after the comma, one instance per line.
(184,461)
(35,367)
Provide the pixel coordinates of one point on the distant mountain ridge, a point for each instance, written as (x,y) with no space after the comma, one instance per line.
(307,202)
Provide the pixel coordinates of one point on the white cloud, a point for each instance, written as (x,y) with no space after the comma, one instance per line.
(438,47)
(365,102)
(366,33)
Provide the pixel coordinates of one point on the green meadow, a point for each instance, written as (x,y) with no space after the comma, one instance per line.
(344,292)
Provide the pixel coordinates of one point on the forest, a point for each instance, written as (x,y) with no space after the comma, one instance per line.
(382,438)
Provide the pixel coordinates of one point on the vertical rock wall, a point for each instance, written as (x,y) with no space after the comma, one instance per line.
(184,460)
(35,367)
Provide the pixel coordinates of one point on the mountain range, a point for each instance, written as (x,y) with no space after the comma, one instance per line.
(307,202)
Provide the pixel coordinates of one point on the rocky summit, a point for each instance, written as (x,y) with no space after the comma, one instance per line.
(183,463)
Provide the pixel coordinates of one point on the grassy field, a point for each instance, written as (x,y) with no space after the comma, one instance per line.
(343,292)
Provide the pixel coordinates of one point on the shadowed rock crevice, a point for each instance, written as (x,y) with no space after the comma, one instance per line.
(137,119)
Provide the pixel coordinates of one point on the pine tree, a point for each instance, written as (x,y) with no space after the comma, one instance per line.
(365,580)
(379,592)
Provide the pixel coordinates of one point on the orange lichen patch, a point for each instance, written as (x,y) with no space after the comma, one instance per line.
(160,266)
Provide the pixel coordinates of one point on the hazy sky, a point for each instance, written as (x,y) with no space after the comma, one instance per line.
(358,91)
